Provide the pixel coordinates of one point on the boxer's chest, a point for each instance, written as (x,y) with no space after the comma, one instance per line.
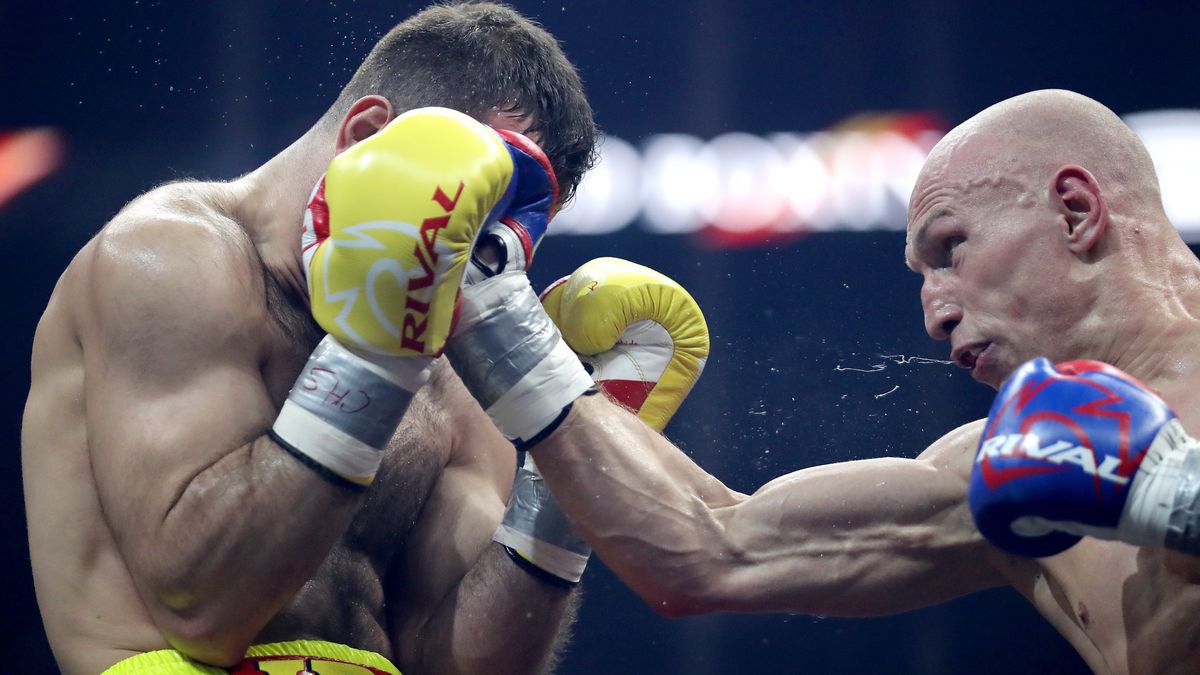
(1138,615)
(1161,615)
(344,600)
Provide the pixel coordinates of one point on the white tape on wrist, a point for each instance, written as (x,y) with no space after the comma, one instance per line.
(513,360)
(536,527)
(536,400)
(343,409)
(562,563)
(1163,506)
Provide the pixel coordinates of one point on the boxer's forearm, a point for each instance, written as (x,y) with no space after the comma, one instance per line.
(241,538)
(499,619)
(650,512)
(824,540)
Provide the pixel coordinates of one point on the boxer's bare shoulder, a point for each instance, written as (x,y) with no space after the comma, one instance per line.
(142,274)
(184,241)
(176,231)
(954,453)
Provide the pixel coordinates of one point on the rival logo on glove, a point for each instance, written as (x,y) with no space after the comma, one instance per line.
(1029,446)
(316,230)
(412,333)
(1106,414)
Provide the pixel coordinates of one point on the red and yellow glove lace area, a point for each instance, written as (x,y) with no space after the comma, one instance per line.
(643,333)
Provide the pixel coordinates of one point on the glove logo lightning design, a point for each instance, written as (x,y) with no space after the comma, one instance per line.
(1048,439)
(432,258)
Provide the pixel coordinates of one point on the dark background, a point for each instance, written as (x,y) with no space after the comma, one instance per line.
(152,91)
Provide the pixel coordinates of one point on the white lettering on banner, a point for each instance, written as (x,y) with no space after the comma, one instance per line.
(823,181)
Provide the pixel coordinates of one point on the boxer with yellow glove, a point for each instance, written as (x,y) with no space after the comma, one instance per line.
(642,336)
(386,239)
(645,341)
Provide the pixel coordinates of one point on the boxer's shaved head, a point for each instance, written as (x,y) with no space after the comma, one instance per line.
(1030,221)
(1023,140)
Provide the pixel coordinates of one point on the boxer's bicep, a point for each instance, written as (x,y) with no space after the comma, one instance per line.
(462,510)
(860,538)
(467,607)
(172,383)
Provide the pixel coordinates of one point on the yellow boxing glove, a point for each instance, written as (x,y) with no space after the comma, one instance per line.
(386,239)
(642,334)
(390,228)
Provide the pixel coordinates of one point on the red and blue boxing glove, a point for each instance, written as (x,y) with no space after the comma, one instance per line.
(526,213)
(1083,449)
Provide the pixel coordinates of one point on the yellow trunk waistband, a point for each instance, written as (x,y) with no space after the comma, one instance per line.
(276,658)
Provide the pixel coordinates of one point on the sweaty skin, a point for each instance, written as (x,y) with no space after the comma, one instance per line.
(160,515)
(1038,228)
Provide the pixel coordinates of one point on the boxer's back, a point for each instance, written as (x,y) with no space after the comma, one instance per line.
(92,610)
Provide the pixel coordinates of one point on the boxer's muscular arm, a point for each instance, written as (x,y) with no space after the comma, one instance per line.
(858,538)
(218,526)
(467,607)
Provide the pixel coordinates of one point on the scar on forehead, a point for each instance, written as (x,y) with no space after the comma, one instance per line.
(1009,176)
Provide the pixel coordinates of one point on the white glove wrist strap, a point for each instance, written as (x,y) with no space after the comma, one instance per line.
(1161,508)
(343,409)
(513,360)
(535,526)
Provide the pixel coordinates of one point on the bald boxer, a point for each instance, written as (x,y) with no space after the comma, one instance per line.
(1039,230)
(187,514)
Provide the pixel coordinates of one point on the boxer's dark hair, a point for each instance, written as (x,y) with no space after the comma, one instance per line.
(475,56)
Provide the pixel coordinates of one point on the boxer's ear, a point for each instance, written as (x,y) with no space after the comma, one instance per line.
(1083,213)
(366,116)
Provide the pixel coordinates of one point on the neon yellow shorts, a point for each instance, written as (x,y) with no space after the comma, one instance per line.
(276,658)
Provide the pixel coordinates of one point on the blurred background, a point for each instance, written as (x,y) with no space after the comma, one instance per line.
(759,152)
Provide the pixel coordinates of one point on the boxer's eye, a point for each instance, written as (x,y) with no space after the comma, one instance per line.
(949,246)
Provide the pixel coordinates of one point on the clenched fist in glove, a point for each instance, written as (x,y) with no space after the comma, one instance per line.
(645,341)
(641,334)
(1083,449)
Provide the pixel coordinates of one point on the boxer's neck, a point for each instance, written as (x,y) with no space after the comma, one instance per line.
(269,203)
(1150,324)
